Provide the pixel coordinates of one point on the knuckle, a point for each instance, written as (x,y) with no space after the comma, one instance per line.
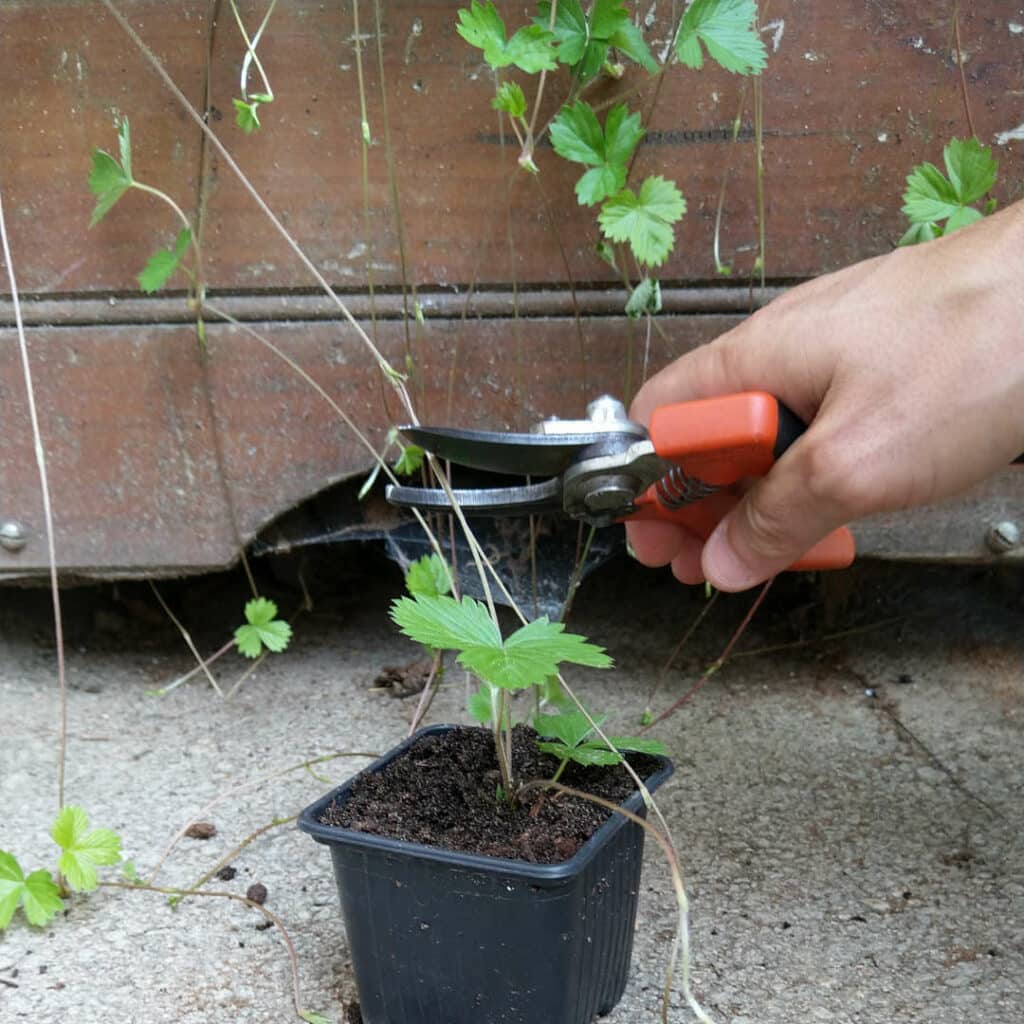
(835,478)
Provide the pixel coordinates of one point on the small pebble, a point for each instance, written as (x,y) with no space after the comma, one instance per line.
(257,892)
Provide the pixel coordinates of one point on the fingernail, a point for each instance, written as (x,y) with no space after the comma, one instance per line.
(723,567)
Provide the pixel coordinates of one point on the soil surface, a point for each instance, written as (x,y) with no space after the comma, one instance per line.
(441,792)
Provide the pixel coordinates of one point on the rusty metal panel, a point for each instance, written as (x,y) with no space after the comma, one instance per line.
(854,95)
(164,461)
(132,418)
(67,75)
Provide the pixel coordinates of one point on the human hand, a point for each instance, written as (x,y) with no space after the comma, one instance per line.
(909,370)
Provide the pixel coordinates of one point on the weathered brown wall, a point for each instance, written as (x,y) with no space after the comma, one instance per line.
(855,94)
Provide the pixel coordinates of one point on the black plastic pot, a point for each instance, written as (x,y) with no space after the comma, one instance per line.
(439,937)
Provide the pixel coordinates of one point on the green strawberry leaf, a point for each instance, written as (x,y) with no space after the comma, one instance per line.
(531,48)
(262,629)
(637,745)
(83,850)
(443,623)
(576,135)
(931,196)
(570,29)
(37,894)
(971,168)
(108,179)
(246,116)
(570,727)
(481,705)
(163,263)
(429,576)
(510,99)
(645,298)
(410,460)
(585,755)
(728,29)
(644,219)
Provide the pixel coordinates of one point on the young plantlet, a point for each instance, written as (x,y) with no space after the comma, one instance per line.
(262,629)
(568,736)
(39,894)
(938,205)
(530,655)
(247,108)
(109,179)
(584,42)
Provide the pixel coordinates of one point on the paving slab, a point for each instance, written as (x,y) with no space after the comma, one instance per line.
(847,807)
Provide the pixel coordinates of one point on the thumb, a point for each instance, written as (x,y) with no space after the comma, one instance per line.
(775,523)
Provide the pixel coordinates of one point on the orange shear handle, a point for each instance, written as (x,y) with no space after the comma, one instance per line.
(719,441)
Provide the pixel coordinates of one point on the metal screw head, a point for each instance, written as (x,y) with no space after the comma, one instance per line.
(1003,537)
(607,410)
(12,535)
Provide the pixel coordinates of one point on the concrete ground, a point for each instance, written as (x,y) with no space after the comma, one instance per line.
(848,810)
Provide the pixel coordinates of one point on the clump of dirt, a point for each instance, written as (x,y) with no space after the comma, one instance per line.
(443,792)
(403,681)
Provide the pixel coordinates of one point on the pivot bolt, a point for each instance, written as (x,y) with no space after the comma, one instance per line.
(1003,537)
(12,535)
(607,410)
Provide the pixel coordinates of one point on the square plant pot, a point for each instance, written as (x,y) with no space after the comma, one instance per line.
(443,937)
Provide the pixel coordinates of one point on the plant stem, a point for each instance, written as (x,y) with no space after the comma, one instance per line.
(44,485)
(429,689)
(717,664)
(708,605)
(261,203)
(219,894)
(241,788)
(250,50)
(187,637)
(233,853)
(577,573)
(365,138)
(201,667)
(960,67)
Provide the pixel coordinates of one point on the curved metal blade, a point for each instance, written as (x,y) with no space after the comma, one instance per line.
(529,499)
(517,454)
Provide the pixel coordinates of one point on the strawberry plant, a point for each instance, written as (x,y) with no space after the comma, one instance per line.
(588,43)
(39,894)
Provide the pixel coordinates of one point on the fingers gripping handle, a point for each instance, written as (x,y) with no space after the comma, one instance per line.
(719,441)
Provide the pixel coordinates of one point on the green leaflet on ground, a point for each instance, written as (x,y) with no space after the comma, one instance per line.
(83,851)
(37,894)
(262,629)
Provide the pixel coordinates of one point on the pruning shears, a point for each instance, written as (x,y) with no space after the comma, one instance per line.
(608,469)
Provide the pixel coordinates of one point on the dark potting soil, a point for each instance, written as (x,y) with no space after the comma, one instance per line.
(442,792)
